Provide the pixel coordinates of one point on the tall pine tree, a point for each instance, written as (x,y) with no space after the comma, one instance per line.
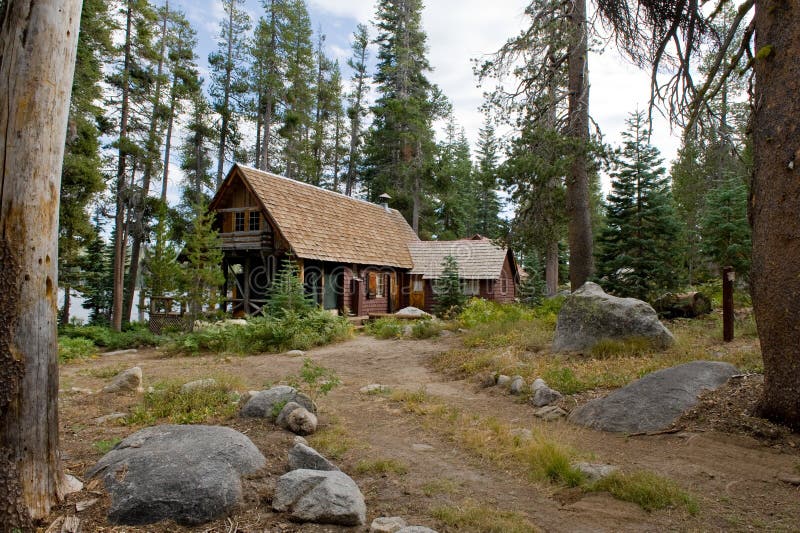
(356,107)
(638,247)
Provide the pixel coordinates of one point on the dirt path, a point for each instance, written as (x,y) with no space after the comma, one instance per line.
(733,477)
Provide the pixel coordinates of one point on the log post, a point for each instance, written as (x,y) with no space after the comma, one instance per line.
(38,41)
(728,277)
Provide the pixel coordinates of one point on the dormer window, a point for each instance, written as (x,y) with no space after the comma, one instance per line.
(238,221)
(255,221)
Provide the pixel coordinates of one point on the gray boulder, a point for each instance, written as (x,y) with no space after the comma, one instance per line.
(301,422)
(281,419)
(126,381)
(517,385)
(412,312)
(503,380)
(303,456)
(655,401)
(542,394)
(263,404)
(595,471)
(590,315)
(190,474)
(323,497)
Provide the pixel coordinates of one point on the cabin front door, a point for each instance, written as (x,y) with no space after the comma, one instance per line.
(417,296)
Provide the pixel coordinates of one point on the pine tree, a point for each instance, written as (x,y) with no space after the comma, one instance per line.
(487,217)
(456,212)
(449,296)
(725,229)
(356,108)
(638,255)
(229,84)
(195,154)
(160,266)
(97,280)
(532,288)
(287,294)
(202,272)
(81,176)
(400,143)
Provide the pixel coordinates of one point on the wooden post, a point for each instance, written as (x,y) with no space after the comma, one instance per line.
(728,277)
(38,41)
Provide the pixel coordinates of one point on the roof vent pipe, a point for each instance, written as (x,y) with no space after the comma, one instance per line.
(384,198)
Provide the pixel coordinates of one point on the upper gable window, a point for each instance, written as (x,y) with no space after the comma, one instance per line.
(255,221)
(238,221)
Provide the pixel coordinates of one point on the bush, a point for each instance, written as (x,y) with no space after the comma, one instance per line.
(290,331)
(646,489)
(385,328)
(77,348)
(315,380)
(425,329)
(134,336)
(169,402)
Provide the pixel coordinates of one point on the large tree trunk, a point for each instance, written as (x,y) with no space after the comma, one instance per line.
(775,204)
(551,268)
(581,260)
(38,41)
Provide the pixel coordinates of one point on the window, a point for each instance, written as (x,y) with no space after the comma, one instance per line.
(380,286)
(471,287)
(238,222)
(255,221)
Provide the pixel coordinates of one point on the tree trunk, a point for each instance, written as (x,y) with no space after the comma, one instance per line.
(551,268)
(38,42)
(226,103)
(581,260)
(775,204)
(64,320)
(168,141)
(120,235)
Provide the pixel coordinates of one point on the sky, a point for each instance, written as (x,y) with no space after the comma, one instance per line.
(459,31)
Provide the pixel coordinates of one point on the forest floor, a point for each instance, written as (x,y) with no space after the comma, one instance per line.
(409,461)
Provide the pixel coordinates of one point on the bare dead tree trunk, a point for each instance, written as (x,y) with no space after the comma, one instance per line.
(775,204)
(581,259)
(38,41)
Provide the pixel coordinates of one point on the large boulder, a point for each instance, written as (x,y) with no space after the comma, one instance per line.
(269,403)
(322,497)
(302,456)
(590,315)
(655,401)
(412,312)
(190,474)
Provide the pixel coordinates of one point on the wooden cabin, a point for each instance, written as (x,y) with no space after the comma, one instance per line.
(355,257)
(352,254)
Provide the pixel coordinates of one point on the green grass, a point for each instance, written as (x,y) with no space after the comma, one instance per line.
(473,516)
(648,490)
(70,349)
(168,403)
(105,446)
(385,328)
(332,440)
(381,467)
(426,329)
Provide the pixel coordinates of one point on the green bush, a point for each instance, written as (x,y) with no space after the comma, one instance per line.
(70,349)
(133,336)
(425,329)
(291,331)
(385,328)
(480,311)
(169,402)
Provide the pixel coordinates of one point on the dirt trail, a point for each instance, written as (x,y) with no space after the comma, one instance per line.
(733,477)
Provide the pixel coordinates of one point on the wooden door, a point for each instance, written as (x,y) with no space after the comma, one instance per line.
(417,296)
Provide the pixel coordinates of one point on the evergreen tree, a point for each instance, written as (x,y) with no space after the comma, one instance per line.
(400,143)
(229,84)
(725,229)
(638,247)
(356,108)
(98,278)
(287,294)
(160,266)
(202,274)
(336,150)
(456,212)
(532,288)
(449,296)
(81,176)
(487,217)
(195,153)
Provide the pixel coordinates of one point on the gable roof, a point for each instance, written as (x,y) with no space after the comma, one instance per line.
(329,226)
(476,258)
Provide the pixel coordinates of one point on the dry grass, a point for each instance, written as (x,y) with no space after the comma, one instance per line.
(472,516)
(332,440)
(439,486)
(646,489)
(381,467)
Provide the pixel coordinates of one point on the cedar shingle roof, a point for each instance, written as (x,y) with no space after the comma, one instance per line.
(477,259)
(328,226)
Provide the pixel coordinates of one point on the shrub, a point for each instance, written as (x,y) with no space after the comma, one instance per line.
(425,329)
(315,380)
(385,328)
(449,297)
(77,348)
(646,489)
(133,336)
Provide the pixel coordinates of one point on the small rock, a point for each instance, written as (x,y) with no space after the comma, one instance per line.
(321,497)
(303,456)
(79,390)
(503,380)
(99,421)
(486,380)
(120,352)
(374,388)
(595,471)
(517,385)
(296,353)
(416,529)
(545,396)
(550,412)
(421,447)
(522,433)
(300,440)
(85,504)
(387,524)
(199,384)
(791,479)
(537,384)
(262,403)
(126,381)
(302,421)
(411,312)
(72,484)
(282,419)
(445,333)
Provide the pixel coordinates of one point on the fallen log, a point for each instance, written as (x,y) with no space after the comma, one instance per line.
(687,305)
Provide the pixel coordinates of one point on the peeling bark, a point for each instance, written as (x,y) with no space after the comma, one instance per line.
(38,41)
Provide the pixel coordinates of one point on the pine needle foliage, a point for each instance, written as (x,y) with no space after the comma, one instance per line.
(449,297)
(287,294)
